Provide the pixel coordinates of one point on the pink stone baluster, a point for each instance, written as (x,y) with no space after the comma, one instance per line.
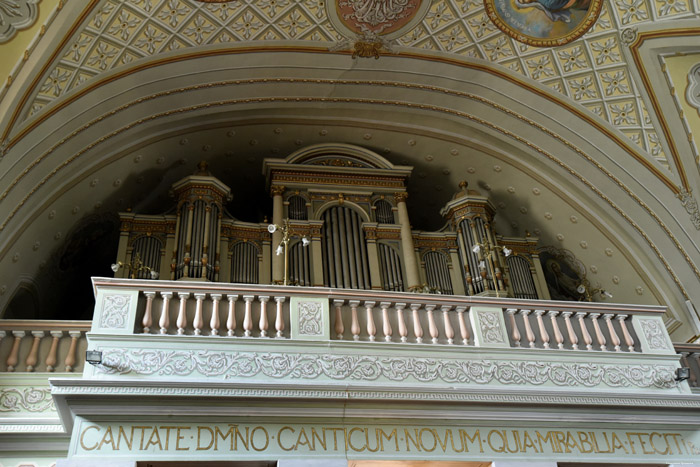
(371,328)
(198,322)
(147,321)
(231,317)
(611,331)
(13,358)
(432,327)
(544,335)
(403,330)
(463,328)
(598,332)
(386,325)
(555,326)
(573,338)
(339,327)
(584,331)
(52,357)
(279,317)
(263,324)
(417,327)
(181,322)
(355,323)
(33,357)
(625,332)
(248,316)
(164,322)
(215,322)
(528,329)
(449,330)
(515,333)
(71,357)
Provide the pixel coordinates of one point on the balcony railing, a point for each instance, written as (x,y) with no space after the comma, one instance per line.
(42,345)
(248,311)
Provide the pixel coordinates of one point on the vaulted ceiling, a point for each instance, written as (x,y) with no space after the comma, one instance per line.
(588,146)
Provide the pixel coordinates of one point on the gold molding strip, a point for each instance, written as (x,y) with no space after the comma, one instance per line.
(581,112)
(23,101)
(254,100)
(634,50)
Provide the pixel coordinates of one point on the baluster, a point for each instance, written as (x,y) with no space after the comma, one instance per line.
(598,332)
(355,326)
(573,338)
(33,356)
(544,335)
(403,330)
(263,324)
(555,326)
(528,329)
(182,313)
(148,313)
(417,327)
(279,317)
(515,332)
(432,327)
(71,357)
(625,332)
(386,325)
(584,331)
(164,322)
(198,322)
(13,358)
(449,330)
(339,328)
(231,318)
(463,328)
(371,328)
(52,358)
(613,335)
(248,317)
(214,322)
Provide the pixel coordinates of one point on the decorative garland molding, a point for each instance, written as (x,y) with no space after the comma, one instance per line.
(295,366)
(29,399)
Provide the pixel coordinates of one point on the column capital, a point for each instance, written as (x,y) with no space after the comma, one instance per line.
(401,197)
(276,190)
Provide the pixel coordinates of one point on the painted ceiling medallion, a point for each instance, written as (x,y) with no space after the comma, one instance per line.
(387,19)
(544,23)
(16,15)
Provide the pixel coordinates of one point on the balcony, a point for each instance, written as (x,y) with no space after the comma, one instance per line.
(163,342)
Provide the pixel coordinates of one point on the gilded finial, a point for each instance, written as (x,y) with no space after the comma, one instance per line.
(202,168)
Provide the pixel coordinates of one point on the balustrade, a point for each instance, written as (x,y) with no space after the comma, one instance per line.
(191,309)
(42,346)
(690,358)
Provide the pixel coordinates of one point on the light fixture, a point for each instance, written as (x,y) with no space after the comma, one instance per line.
(93,357)
(284,243)
(135,267)
(507,251)
(581,289)
(606,293)
(682,373)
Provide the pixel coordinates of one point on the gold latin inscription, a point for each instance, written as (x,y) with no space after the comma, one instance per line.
(372,439)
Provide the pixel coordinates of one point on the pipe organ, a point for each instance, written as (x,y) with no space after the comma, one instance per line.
(349,205)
